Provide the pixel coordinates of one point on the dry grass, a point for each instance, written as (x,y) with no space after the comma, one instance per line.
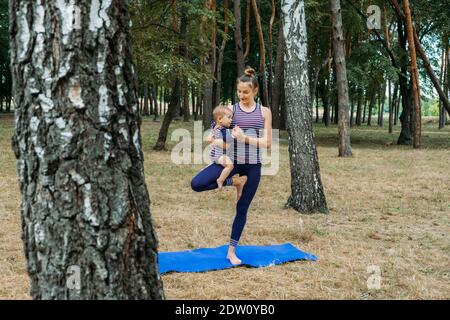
(389,207)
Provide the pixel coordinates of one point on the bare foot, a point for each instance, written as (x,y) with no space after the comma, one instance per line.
(219,184)
(233,259)
(240,182)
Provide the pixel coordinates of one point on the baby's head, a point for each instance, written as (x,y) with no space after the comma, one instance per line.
(223,116)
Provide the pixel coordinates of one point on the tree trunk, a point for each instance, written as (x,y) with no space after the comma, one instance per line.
(221,54)
(307,193)
(392,102)
(86,221)
(369,112)
(155,102)
(352,111)
(397,108)
(270,73)
(415,76)
(278,86)
(365,108)
(8,103)
(164,97)
(359,105)
(317,106)
(247,29)
(426,62)
(405,133)
(185,53)
(316,74)
(186,111)
(145,110)
(210,64)
(441,78)
(345,149)
(199,104)
(238,37)
(152,104)
(171,113)
(325,93)
(383,100)
(262,55)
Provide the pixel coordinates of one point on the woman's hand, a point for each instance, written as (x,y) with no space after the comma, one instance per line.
(238,134)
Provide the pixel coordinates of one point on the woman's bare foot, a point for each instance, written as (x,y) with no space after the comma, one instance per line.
(239,183)
(219,184)
(233,259)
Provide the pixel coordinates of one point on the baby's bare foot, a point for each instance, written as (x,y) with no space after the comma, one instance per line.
(233,259)
(240,185)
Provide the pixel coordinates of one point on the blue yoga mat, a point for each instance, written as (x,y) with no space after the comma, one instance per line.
(205,259)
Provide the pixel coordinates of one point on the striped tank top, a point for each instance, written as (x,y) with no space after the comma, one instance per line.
(252,123)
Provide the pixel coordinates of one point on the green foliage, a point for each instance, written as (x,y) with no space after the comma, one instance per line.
(430,107)
(156,42)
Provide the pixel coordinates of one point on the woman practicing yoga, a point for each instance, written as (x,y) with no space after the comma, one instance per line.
(252,130)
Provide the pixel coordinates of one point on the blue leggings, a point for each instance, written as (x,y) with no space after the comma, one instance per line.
(206,180)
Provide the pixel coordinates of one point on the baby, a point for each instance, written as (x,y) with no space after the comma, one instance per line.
(221,139)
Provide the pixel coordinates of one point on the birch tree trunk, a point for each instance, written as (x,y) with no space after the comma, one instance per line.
(86,222)
(345,149)
(307,193)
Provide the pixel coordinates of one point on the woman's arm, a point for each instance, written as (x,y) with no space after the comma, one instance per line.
(266,140)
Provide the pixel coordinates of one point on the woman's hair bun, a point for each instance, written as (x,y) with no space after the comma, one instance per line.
(250,72)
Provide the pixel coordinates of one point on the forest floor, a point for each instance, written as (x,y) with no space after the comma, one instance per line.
(389,211)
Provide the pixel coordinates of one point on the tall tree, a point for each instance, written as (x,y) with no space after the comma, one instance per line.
(238,37)
(307,194)
(210,65)
(221,53)
(85,205)
(262,54)
(422,54)
(405,117)
(414,75)
(247,28)
(175,103)
(272,19)
(345,149)
(278,84)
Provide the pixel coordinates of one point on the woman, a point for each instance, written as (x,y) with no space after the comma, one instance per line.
(252,129)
